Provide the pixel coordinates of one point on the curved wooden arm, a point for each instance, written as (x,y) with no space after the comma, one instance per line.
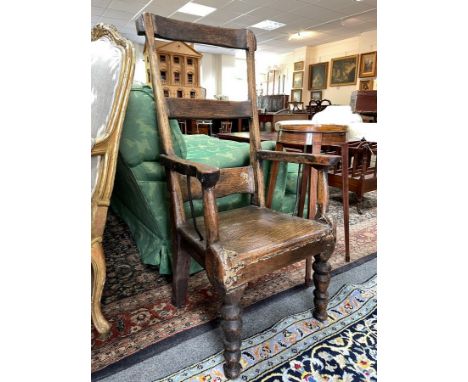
(207,175)
(318,161)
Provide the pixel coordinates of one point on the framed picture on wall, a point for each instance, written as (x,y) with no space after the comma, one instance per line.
(344,70)
(368,65)
(366,85)
(298,66)
(298,78)
(316,95)
(318,76)
(296,95)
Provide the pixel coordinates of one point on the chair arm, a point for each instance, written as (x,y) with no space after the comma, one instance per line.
(318,161)
(207,175)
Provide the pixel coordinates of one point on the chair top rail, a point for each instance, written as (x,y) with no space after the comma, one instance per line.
(198,33)
(207,109)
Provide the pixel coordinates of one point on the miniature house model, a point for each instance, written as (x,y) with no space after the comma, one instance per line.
(179,65)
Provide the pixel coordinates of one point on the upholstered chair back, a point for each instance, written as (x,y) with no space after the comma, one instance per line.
(112,67)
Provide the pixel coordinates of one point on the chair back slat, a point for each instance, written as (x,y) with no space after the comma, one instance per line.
(207,109)
(203,34)
(235,180)
(156,26)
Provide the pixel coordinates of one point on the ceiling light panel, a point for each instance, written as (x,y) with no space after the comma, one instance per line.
(268,25)
(196,9)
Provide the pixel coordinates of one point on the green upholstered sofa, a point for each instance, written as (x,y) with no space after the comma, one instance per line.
(140,194)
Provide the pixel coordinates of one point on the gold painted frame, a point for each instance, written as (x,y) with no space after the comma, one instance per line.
(320,69)
(344,70)
(296,95)
(107,147)
(298,80)
(366,84)
(368,64)
(298,66)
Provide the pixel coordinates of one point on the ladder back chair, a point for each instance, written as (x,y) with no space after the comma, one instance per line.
(112,68)
(234,246)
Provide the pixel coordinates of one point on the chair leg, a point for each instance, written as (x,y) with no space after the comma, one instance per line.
(232,326)
(180,277)
(321,281)
(308,273)
(98,265)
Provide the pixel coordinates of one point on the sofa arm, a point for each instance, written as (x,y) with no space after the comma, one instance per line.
(207,175)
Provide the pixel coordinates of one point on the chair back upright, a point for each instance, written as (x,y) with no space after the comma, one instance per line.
(152,26)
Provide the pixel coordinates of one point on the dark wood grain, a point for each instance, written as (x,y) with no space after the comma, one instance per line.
(206,109)
(243,244)
(207,175)
(176,30)
(231,324)
(231,181)
(319,161)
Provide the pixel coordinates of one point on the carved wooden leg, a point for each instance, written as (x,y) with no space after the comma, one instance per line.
(98,264)
(308,273)
(180,272)
(232,327)
(321,281)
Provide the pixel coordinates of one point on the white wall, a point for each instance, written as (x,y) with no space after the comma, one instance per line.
(140,70)
(365,42)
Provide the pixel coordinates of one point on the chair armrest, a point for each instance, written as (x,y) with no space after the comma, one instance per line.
(207,175)
(318,161)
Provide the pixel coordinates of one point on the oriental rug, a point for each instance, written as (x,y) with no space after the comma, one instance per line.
(137,300)
(300,348)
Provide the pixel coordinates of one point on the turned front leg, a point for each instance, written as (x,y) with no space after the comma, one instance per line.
(321,281)
(232,328)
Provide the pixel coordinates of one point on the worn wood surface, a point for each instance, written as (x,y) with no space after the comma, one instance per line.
(319,161)
(238,245)
(231,323)
(206,108)
(231,181)
(176,30)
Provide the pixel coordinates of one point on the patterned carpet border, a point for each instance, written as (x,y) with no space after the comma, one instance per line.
(188,334)
(300,347)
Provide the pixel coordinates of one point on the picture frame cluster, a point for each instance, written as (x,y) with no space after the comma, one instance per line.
(344,71)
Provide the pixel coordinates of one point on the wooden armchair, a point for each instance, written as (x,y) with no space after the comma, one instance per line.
(234,246)
(362,169)
(112,66)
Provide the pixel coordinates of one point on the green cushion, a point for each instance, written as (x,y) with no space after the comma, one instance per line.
(140,141)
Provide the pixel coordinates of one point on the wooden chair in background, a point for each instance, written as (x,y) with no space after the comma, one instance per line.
(234,246)
(306,137)
(362,171)
(112,67)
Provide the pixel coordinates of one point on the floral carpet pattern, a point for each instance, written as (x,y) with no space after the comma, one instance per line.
(300,348)
(137,300)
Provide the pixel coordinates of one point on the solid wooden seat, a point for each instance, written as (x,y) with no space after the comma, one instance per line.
(238,245)
(253,234)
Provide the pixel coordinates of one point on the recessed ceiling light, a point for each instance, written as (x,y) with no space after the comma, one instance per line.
(196,9)
(303,35)
(268,25)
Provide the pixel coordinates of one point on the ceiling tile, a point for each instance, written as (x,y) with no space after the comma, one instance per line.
(118,14)
(324,16)
(219,17)
(184,17)
(97,11)
(100,3)
(132,6)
